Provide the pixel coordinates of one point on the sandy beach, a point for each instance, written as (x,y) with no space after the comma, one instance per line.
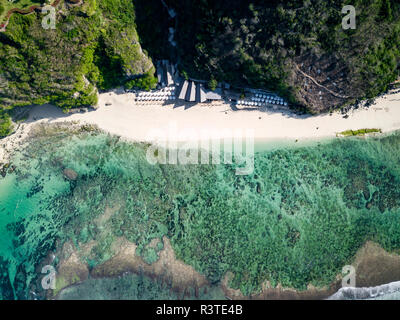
(119,114)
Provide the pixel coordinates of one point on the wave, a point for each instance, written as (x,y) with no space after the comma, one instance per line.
(390,291)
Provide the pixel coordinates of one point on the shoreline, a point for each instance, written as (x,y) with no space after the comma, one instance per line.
(119,114)
(52,115)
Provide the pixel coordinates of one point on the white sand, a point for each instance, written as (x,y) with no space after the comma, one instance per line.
(134,121)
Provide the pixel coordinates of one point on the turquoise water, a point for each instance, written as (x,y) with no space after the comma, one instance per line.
(21,198)
(297,219)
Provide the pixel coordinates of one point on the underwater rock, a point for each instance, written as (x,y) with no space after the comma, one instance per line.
(366,194)
(4,168)
(70,174)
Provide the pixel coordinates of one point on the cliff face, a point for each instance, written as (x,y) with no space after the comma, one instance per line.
(348,65)
(297,48)
(94,46)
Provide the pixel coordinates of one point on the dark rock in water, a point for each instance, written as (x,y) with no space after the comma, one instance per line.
(4,168)
(366,194)
(258,187)
(70,174)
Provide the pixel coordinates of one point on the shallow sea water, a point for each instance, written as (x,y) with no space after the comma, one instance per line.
(297,219)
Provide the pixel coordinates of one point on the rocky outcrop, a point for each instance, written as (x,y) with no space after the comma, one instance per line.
(70,174)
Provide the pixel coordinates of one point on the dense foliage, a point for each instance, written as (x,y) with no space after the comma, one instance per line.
(5,123)
(145,82)
(95,45)
(261,43)
(297,48)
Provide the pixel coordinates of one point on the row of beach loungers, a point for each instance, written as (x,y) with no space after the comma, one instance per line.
(260,99)
(164,94)
(170,93)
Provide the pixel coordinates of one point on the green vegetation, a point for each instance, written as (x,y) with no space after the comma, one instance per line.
(2,9)
(258,44)
(212,84)
(359,132)
(5,123)
(6,5)
(146,82)
(94,46)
